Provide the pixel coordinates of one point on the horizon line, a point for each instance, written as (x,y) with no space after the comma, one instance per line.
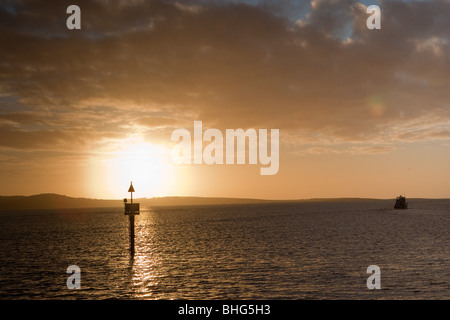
(222,197)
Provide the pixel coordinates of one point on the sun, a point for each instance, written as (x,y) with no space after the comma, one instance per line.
(147,165)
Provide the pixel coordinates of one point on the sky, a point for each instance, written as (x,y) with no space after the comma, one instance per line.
(360,113)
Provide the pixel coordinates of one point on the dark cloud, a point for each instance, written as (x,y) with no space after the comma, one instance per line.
(160,64)
(44,139)
(19,118)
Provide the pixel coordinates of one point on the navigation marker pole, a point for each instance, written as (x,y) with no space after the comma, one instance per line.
(131,209)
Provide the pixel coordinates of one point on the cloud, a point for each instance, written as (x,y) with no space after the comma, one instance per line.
(160,64)
(42,139)
(18,118)
(158,122)
(352,150)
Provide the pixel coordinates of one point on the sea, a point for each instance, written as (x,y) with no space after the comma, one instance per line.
(318,250)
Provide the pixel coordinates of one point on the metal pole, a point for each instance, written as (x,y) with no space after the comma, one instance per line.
(131,210)
(131,218)
(132,229)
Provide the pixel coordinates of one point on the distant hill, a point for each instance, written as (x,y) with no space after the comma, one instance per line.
(56,201)
(52,201)
(195,201)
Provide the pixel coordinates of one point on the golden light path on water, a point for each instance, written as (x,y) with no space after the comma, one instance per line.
(146,261)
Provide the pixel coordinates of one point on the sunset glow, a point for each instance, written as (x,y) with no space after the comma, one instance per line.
(239,150)
(147,165)
(360,112)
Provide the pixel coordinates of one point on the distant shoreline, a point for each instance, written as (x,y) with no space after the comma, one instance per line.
(56,201)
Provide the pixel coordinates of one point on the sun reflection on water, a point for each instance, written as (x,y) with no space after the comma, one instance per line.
(146,262)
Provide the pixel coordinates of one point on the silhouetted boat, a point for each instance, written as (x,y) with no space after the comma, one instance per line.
(400,203)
